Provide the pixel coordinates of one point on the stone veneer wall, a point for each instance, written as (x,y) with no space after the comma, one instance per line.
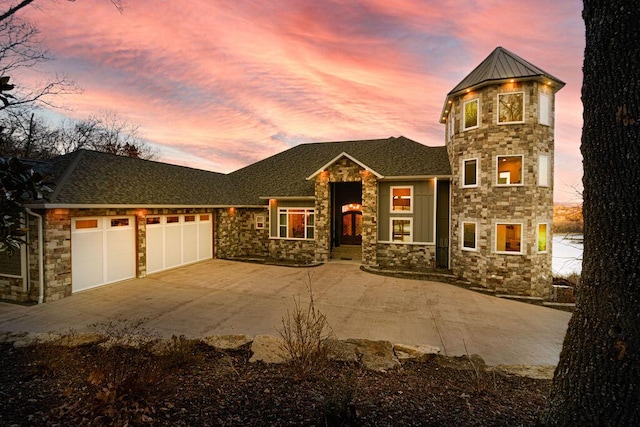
(301,251)
(405,256)
(488,204)
(236,234)
(345,170)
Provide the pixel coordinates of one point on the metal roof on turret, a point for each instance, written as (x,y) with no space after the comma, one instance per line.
(500,66)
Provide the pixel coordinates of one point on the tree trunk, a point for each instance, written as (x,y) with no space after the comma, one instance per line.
(597,381)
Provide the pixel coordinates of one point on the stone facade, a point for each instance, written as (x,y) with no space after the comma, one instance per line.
(346,170)
(405,256)
(488,204)
(236,233)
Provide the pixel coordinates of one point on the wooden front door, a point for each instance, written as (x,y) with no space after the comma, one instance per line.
(351,228)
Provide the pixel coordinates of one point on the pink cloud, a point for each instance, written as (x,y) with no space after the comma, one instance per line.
(229,83)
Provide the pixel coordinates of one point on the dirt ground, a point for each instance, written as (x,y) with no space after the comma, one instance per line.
(196,385)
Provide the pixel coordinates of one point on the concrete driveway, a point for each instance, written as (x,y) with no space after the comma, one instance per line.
(223,297)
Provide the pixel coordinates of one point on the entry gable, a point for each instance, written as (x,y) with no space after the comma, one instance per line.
(338,157)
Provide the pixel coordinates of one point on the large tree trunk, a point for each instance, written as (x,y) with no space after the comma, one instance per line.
(597,381)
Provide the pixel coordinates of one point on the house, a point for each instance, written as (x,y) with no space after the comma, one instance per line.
(481,205)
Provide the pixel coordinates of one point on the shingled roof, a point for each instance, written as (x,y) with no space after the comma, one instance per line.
(285,174)
(90,178)
(500,66)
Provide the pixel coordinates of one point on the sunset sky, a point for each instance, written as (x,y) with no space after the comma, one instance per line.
(220,84)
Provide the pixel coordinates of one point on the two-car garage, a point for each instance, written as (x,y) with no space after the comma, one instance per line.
(104,249)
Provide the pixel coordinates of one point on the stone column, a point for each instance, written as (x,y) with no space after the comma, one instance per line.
(369,217)
(323,217)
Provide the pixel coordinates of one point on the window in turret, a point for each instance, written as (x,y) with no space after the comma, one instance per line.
(511,107)
(509,238)
(471,114)
(545,109)
(509,170)
(470,173)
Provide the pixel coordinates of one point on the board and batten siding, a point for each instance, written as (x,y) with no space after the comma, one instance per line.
(423,210)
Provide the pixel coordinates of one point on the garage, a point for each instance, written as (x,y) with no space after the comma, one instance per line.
(175,240)
(103,251)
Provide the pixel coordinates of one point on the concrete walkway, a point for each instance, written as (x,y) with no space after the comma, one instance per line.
(223,297)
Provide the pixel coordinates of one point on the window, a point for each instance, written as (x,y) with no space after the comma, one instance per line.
(542,238)
(545,109)
(509,238)
(204,218)
(11,263)
(470,173)
(84,224)
(402,199)
(173,219)
(509,170)
(189,218)
(511,107)
(119,222)
(296,223)
(544,178)
(469,236)
(401,230)
(259,222)
(152,220)
(450,122)
(471,115)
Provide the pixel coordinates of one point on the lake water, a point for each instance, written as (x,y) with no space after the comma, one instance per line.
(567,254)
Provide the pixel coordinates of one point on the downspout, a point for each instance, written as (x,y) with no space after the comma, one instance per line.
(40,256)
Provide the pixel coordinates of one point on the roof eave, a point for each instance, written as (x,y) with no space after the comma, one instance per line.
(544,78)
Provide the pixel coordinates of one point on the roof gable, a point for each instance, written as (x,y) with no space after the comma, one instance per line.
(338,157)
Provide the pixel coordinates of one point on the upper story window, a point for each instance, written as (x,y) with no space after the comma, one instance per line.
(470,173)
(450,123)
(542,238)
(544,106)
(402,199)
(509,238)
(544,171)
(471,114)
(509,170)
(511,107)
(294,223)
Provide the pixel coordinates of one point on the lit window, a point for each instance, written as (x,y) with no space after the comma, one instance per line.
(469,236)
(401,229)
(545,109)
(259,222)
(470,173)
(509,238)
(542,238)
(471,116)
(83,224)
(296,223)
(511,107)
(402,199)
(509,170)
(544,178)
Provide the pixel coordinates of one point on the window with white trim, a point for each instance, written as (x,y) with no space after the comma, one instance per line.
(543,238)
(509,170)
(260,222)
(402,199)
(11,262)
(450,122)
(544,175)
(544,106)
(296,223)
(509,238)
(471,110)
(402,230)
(511,107)
(469,236)
(470,173)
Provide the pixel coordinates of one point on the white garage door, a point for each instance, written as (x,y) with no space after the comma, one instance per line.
(103,250)
(174,240)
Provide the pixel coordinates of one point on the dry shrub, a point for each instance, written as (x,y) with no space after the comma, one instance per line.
(305,331)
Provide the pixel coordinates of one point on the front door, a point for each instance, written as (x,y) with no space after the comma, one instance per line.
(351,228)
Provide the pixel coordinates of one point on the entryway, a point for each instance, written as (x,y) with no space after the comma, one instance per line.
(346,242)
